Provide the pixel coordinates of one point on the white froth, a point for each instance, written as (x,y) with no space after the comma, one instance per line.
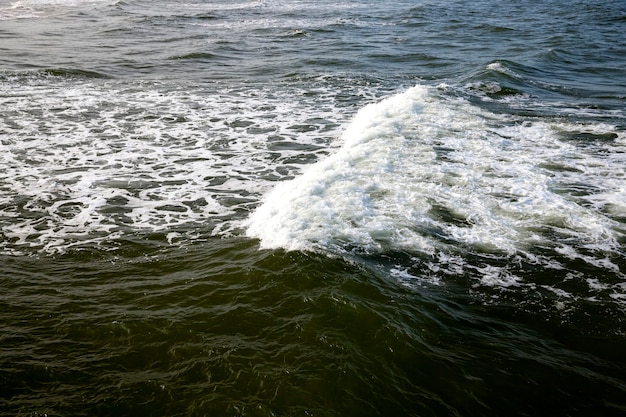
(337,201)
(89,162)
(419,172)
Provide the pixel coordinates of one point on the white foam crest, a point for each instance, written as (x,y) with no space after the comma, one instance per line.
(335,201)
(420,172)
(503,69)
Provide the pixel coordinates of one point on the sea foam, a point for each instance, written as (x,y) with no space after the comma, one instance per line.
(422,172)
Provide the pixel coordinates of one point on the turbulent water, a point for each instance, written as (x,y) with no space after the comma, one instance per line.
(312,208)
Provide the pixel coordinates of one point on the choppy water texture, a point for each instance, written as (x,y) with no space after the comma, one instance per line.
(301,208)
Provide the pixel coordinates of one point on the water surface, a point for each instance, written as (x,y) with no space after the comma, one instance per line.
(295,208)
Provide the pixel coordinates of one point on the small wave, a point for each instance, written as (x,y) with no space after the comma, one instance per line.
(499,80)
(501,67)
(523,84)
(43,75)
(296,33)
(496,28)
(510,70)
(198,56)
(557,56)
(202,16)
(72,73)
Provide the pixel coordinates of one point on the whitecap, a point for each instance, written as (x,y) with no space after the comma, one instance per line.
(425,173)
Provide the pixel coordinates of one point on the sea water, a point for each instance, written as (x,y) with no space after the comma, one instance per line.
(295,208)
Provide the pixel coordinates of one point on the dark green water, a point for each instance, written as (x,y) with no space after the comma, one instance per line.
(221,328)
(299,208)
